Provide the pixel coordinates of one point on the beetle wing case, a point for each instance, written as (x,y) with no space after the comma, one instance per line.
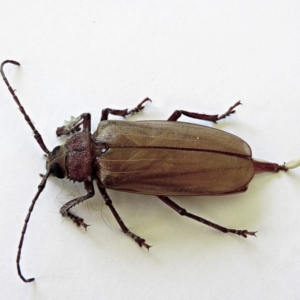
(172,158)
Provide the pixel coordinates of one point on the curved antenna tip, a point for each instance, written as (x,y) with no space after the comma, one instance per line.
(28,280)
(9,62)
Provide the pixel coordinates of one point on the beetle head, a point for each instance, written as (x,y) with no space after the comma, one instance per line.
(56,162)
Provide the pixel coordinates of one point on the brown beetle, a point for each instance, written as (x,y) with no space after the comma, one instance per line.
(162,158)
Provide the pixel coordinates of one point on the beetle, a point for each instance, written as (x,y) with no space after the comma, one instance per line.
(161,158)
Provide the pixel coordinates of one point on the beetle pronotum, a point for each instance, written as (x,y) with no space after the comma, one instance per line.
(161,158)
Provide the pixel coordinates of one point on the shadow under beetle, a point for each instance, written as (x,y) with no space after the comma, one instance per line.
(161,158)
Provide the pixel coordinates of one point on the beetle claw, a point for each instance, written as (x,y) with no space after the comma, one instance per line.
(245,233)
(142,243)
(138,108)
(230,111)
(80,222)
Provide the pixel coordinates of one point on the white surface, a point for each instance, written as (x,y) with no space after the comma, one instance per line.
(195,55)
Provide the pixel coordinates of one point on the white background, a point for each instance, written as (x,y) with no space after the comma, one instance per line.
(203,56)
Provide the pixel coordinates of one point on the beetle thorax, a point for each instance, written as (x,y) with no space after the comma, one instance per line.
(73,160)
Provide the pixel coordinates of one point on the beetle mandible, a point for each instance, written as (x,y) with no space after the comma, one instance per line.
(161,158)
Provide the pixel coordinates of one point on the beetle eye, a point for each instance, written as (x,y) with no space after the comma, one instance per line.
(55,149)
(56,169)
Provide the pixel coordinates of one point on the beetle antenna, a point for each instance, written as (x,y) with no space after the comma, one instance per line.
(37,135)
(41,187)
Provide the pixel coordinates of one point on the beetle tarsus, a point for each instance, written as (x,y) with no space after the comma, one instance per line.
(229,111)
(244,233)
(73,125)
(138,108)
(62,130)
(212,118)
(140,241)
(78,221)
(64,210)
(123,112)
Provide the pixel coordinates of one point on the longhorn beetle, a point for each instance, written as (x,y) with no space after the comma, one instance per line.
(161,158)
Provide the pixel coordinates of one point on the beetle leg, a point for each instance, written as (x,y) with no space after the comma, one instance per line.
(74,124)
(66,207)
(123,112)
(183,212)
(140,241)
(212,118)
